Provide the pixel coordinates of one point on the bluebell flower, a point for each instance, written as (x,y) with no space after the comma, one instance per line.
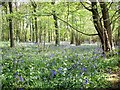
(52,55)
(53,73)
(84,69)
(86,58)
(15,74)
(60,70)
(22,61)
(20,89)
(86,81)
(21,79)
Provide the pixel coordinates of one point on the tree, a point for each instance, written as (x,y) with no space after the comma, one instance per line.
(57,39)
(35,18)
(119,27)
(103,28)
(10,26)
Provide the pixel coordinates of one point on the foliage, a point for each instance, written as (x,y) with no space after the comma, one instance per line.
(56,67)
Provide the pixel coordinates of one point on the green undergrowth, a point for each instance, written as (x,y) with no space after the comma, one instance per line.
(56,67)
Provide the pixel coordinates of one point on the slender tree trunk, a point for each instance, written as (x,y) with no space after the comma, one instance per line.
(25,35)
(119,28)
(23,30)
(30,32)
(10,26)
(48,31)
(2,34)
(57,38)
(33,36)
(16,24)
(72,32)
(34,5)
(20,29)
(40,33)
(36,29)
(44,36)
(51,35)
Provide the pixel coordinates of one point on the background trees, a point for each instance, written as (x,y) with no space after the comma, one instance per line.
(60,21)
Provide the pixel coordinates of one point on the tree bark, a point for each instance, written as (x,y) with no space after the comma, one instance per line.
(36,29)
(33,36)
(119,28)
(72,32)
(10,26)
(2,34)
(16,24)
(57,38)
(104,35)
(107,25)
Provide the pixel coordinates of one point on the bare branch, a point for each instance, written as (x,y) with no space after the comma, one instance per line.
(76,29)
(86,7)
(114,14)
(114,20)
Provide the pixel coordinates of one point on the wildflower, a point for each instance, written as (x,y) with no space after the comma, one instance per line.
(84,69)
(22,61)
(60,70)
(86,81)
(21,79)
(52,55)
(20,89)
(53,73)
(15,75)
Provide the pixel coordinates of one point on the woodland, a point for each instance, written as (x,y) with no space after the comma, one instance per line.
(60,44)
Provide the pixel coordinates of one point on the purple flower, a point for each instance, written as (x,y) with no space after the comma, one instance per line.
(53,73)
(86,81)
(94,52)
(22,61)
(84,69)
(20,89)
(15,74)
(52,55)
(60,70)
(21,79)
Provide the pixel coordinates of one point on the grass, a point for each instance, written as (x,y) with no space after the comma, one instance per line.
(56,67)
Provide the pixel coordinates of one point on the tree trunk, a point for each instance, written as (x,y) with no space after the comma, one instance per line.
(30,32)
(72,33)
(48,31)
(40,33)
(36,29)
(119,28)
(33,36)
(57,38)
(2,34)
(17,24)
(107,26)
(10,26)
(102,32)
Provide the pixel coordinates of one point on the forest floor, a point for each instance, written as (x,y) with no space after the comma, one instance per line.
(113,77)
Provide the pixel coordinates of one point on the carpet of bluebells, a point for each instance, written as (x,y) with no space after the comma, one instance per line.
(56,67)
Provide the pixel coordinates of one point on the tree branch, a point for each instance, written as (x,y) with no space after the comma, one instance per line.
(114,20)
(86,7)
(76,29)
